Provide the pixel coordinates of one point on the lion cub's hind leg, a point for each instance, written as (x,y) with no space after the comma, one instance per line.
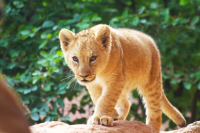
(152,98)
(123,107)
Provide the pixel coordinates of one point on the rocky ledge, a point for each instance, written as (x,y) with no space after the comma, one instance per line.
(119,127)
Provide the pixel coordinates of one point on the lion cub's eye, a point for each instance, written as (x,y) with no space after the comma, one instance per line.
(93,58)
(75,58)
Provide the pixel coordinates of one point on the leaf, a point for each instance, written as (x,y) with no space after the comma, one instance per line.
(3,43)
(35,116)
(61,92)
(20,90)
(7,9)
(54,113)
(83,25)
(59,53)
(77,17)
(25,33)
(49,99)
(47,24)
(43,36)
(35,79)
(174,51)
(141,10)
(125,13)
(14,53)
(42,61)
(113,20)
(74,108)
(47,86)
(10,80)
(198,86)
(25,101)
(34,88)
(187,85)
(175,21)
(81,110)
(61,102)
(11,65)
(194,20)
(36,73)
(183,2)
(42,113)
(34,110)
(143,21)
(154,5)
(18,4)
(135,21)
(66,118)
(26,91)
(44,54)
(43,44)
(46,119)
(197,75)
(96,19)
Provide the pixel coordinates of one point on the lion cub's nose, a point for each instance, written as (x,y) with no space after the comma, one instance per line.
(83,76)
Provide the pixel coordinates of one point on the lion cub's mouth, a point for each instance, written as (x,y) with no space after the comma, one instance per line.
(86,81)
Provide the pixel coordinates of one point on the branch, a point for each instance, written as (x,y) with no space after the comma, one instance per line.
(194,105)
(166,3)
(195,5)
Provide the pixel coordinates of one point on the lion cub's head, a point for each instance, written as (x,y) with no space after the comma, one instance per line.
(86,52)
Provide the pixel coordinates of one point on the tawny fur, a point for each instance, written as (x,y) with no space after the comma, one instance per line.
(125,60)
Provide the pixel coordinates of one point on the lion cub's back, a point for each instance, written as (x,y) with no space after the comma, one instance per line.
(134,34)
(139,50)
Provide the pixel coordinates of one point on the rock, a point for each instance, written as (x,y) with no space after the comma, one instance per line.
(119,127)
(191,128)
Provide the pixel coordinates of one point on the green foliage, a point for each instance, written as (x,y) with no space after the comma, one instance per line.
(33,63)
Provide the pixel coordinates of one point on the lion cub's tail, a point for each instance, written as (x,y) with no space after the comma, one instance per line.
(172,112)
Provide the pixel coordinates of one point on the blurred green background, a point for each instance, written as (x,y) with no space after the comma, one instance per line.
(33,64)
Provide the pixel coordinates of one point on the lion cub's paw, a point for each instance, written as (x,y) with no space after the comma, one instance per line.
(93,120)
(104,120)
(115,115)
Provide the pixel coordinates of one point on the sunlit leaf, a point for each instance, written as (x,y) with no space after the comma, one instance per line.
(66,118)
(26,91)
(11,65)
(198,86)
(183,2)
(154,5)
(187,85)
(61,102)
(43,44)
(47,86)
(47,23)
(95,19)
(194,20)
(42,113)
(141,10)
(35,116)
(135,21)
(3,43)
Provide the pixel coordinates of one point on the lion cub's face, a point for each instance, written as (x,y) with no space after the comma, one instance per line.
(87,52)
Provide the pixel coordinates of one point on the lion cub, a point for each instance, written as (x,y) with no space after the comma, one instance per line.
(111,63)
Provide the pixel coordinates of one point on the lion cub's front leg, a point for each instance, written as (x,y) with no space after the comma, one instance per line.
(95,93)
(105,106)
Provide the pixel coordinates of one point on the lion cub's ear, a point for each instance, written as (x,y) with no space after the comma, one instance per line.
(103,35)
(65,36)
